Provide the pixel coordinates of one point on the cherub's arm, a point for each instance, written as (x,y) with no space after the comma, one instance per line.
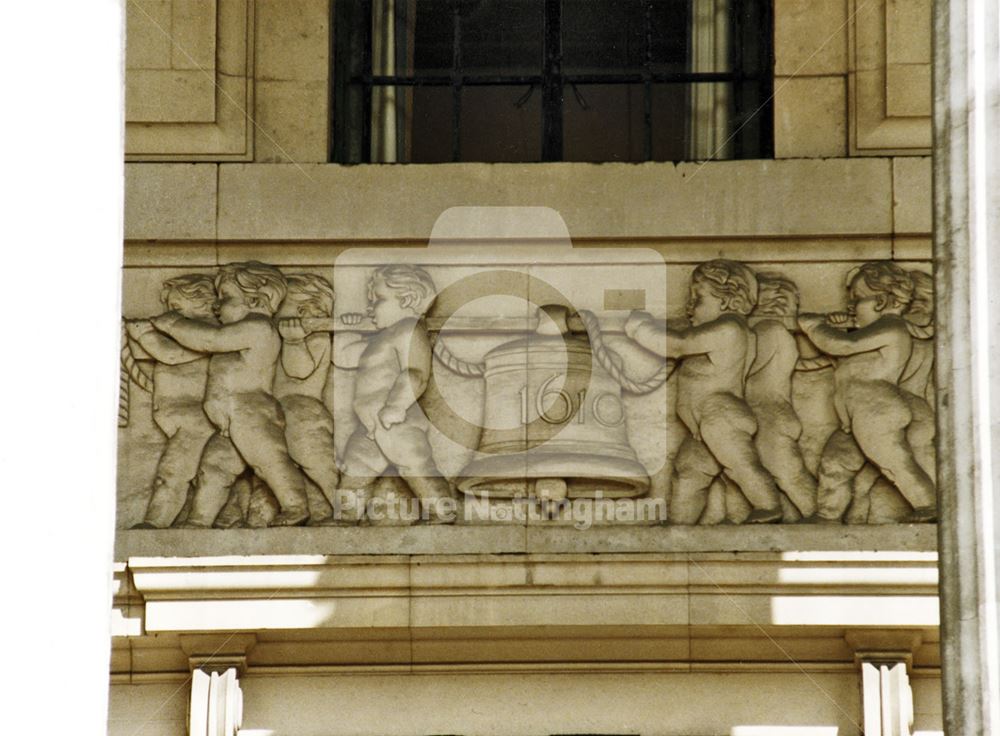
(656,337)
(833,341)
(348,346)
(413,348)
(300,360)
(159,347)
(209,338)
(302,354)
(166,350)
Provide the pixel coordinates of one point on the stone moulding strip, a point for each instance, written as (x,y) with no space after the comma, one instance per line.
(511,539)
(687,589)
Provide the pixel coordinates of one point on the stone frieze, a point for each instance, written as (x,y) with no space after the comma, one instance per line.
(433,392)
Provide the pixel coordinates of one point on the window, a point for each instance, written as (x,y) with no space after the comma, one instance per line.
(425,81)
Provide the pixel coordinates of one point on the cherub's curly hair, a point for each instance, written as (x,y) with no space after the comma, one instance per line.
(264,285)
(194,287)
(731,281)
(313,294)
(777,296)
(921,309)
(415,286)
(885,279)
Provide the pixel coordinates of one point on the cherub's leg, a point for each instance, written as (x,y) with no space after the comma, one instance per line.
(309,431)
(738,509)
(777,443)
(887,504)
(840,462)
(694,471)
(882,437)
(406,446)
(861,494)
(715,503)
(257,430)
(920,434)
(363,464)
(262,505)
(234,513)
(730,440)
(176,469)
(220,465)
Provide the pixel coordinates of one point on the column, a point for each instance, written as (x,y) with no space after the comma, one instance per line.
(884,659)
(967,273)
(217,662)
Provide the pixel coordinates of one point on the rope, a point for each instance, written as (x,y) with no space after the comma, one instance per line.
(130,371)
(614,364)
(123,388)
(608,359)
(455,364)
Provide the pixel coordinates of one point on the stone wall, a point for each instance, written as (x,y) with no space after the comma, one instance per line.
(851,79)
(653,629)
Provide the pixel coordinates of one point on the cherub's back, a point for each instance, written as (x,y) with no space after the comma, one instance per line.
(250,370)
(770,377)
(885,364)
(918,375)
(722,369)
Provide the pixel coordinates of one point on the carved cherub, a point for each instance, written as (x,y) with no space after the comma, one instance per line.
(874,411)
(179,378)
(300,379)
(769,392)
(250,427)
(918,383)
(393,372)
(717,352)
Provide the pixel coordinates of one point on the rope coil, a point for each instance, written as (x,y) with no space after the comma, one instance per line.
(455,364)
(608,359)
(614,364)
(131,372)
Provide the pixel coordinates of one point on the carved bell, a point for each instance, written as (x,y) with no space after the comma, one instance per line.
(556,421)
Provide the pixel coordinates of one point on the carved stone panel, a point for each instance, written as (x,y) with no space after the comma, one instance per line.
(889,77)
(526,384)
(189,80)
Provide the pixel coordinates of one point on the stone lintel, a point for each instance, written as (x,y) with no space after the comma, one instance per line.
(299,203)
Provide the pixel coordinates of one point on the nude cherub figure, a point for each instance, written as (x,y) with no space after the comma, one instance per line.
(300,380)
(179,378)
(769,393)
(393,372)
(716,353)
(249,423)
(917,381)
(874,411)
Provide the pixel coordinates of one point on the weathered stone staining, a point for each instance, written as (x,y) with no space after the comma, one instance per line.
(242,364)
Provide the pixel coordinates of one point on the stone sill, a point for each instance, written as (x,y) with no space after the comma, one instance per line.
(480,540)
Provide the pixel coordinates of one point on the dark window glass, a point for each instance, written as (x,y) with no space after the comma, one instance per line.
(427,81)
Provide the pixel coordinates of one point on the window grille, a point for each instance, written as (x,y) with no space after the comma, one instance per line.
(426,81)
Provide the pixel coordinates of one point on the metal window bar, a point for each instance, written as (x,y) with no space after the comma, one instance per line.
(552,83)
(456,83)
(647,81)
(736,63)
(366,65)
